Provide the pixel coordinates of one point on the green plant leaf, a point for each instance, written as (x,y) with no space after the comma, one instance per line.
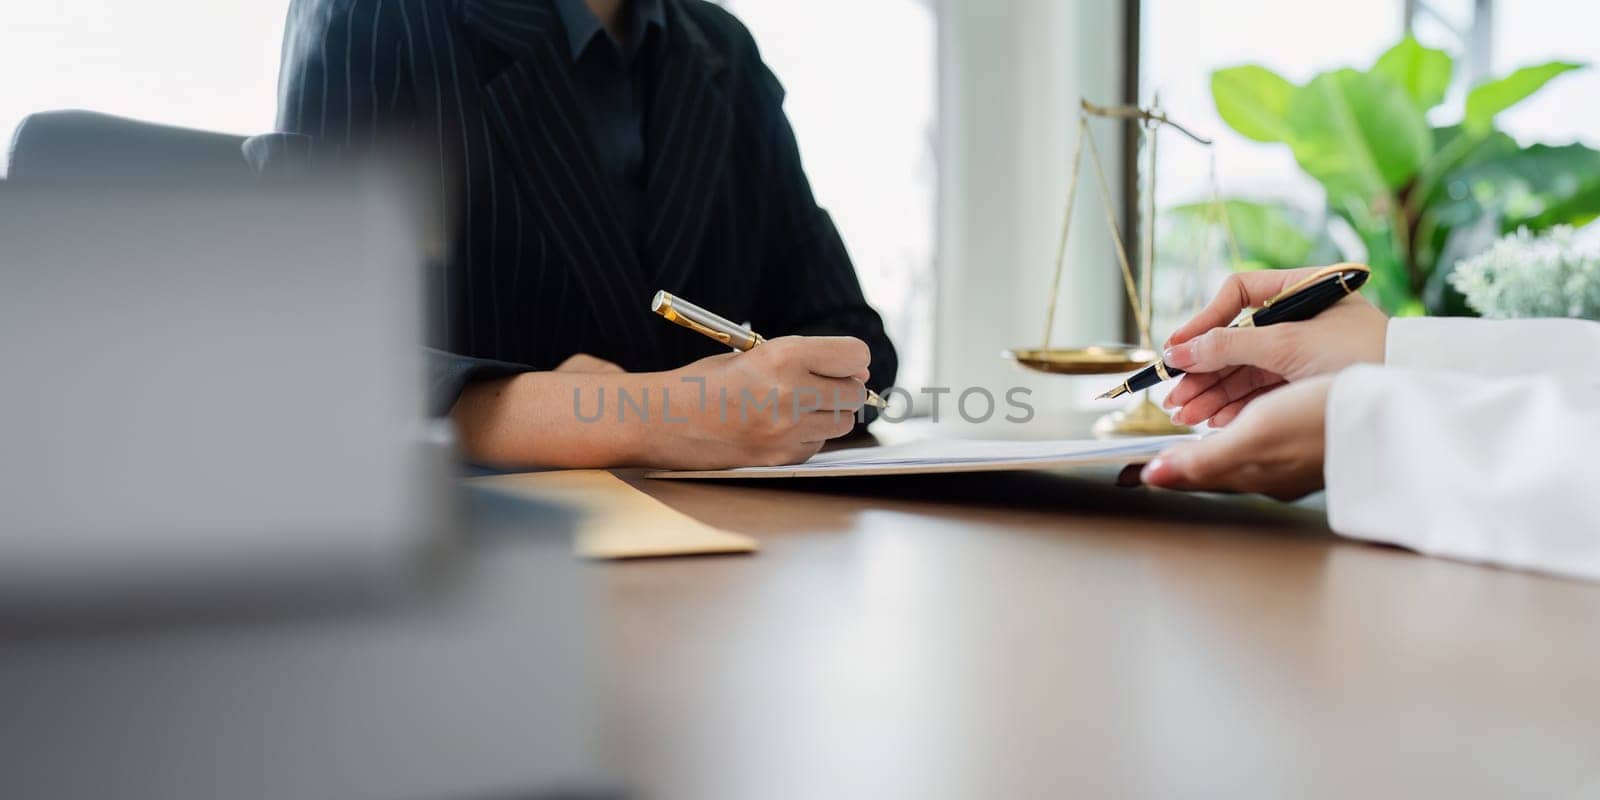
(1488,99)
(1359,134)
(1411,308)
(1466,151)
(1390,285)
(1440,295)
(1539,187)
(1422,71)
(1477,149)
(1253,101)
(1268,234)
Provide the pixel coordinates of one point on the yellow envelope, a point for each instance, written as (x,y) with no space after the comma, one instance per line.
(619,521)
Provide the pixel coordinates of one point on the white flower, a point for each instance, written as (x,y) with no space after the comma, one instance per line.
(1523,275)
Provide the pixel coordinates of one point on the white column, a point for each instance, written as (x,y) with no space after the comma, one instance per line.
(1013,71)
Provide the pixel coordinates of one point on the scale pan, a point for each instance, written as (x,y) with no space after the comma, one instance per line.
(1092,360)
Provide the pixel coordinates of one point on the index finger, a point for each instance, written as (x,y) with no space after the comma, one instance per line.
(1240,291)
(831,356)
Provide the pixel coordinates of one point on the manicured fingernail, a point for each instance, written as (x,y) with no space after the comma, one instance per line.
(1148,474)
(1166,402)
(1180,356)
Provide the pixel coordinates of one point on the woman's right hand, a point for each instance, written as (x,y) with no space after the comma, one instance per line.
(1229,367)
(775,404)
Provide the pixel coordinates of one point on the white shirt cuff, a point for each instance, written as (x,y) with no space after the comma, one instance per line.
(1494,347)
(1353,450)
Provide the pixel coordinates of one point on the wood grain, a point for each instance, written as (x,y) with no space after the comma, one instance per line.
(1032,635)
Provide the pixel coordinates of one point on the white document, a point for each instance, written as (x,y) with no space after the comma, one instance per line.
(954,455)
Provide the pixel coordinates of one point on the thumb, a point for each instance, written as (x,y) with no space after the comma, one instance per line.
(1220,348)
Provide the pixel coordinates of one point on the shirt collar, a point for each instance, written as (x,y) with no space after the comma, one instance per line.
(582,25)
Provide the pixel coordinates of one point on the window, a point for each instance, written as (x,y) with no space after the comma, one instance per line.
(1534,31)
(195,63)
(214,65)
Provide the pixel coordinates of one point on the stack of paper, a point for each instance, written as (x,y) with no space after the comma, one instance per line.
(953,456)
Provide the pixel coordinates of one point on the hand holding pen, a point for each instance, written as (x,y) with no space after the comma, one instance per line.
(1228,366)
(718,328)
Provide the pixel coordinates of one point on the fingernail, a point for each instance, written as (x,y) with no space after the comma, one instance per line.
(1166,402)
(1180,356)
(1148,474)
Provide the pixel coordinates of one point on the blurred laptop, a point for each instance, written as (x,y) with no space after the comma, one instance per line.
(211,389)
(211,399)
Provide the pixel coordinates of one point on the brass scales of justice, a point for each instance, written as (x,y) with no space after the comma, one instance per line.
(1144,418)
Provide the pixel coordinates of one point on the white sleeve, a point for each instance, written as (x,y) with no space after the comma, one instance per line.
(1495,347)
(1499,470)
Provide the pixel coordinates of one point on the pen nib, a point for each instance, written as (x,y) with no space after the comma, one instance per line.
(1119,391)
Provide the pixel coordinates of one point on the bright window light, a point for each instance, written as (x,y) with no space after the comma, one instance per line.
(209,64)
(862,81)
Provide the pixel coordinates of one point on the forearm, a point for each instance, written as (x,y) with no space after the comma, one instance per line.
(1495,347)
(1491,470)
(776,404)
(554,419)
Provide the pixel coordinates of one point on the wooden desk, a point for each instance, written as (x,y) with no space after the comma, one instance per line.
(1028,635)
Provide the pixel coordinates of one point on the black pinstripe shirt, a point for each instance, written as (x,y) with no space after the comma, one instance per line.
(541,261)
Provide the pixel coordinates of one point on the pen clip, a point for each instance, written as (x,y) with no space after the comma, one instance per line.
(1336,269)
(725,338)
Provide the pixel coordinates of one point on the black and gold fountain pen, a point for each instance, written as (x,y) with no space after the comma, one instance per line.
(1297,303)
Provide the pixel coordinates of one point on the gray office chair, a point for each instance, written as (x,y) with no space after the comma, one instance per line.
(89,146)
(84,145)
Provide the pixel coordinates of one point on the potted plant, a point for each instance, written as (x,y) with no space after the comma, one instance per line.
(1419,197)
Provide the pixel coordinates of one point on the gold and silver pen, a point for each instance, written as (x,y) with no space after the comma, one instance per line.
(718,328)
